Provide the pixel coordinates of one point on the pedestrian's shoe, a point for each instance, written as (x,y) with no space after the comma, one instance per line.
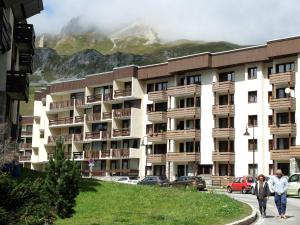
(283,216)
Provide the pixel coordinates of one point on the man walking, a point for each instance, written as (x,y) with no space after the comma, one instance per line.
(280,185)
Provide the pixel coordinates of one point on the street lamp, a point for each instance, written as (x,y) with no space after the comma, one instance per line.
(253,150)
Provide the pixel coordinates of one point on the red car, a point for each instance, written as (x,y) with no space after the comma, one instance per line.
(242,184)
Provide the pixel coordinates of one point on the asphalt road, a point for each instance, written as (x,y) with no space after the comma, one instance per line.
(293,210)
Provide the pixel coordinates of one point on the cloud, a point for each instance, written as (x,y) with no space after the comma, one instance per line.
(240,21)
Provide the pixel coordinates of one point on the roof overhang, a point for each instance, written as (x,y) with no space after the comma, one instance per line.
(24,9)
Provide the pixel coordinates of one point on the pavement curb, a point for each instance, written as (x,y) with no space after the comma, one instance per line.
(247,220)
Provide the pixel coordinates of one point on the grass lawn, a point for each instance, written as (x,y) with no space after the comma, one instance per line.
(101,203)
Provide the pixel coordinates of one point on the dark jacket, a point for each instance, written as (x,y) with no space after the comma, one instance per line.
(266,190)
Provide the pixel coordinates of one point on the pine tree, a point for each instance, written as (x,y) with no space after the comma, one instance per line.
(61,183)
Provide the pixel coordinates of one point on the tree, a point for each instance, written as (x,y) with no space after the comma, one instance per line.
(61,183)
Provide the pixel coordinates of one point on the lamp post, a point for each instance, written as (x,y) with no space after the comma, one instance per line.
(253,150)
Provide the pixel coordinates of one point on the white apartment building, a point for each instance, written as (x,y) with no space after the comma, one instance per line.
(187,116)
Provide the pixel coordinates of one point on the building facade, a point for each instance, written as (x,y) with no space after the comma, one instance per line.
(17,48)
(25,146)
(187,116)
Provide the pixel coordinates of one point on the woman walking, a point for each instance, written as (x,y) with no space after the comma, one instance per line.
(262,193)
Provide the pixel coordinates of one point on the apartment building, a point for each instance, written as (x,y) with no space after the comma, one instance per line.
(17,47)
(187,116)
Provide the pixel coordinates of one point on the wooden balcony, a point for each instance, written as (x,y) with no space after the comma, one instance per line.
(102,135)
(25,36)
(120,153)
(183,156)
(223,156)
(283,78)
(106,115)
(184,90)
(188,112)
(67,139)
(67,104)
(25,61)
(220,110)
(122,93)
(61,121)
(156,158)
(5,32)
(157,117)
(17,85)
(95,117)
(122,113)
(283,129)
(157,137)
(158,96)
(223,87)
(94,98)
(121,132)
(221,180)
(295,152)
(25,145)
(280,154)
(223,133)
(105,154)
(283,103)
(183,134)
(91,154)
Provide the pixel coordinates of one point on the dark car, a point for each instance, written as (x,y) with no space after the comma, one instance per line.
(189,181)
(154,180)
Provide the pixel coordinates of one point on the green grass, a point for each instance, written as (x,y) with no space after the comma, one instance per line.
(26,109)
(110,203)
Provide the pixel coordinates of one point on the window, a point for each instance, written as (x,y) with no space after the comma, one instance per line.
(97,90)
(96,127)
(285,67)
(150,88)
(160,149)
(229,76)
(270,71)
(161,107)
(160,127)
(252,96)
(283,118)
(284,143)
(42,134)
(250,169)
(194,79)
(161,86)
(280,93)
(75,130)
(79,95)
(252,120)
(252,144)
(223,146)
(252,73)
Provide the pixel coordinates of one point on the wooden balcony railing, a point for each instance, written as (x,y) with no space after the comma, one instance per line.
(123,93)
(17,85)
(184,90)
(94,98)
(295,151)
(158,96)
(183,156)
(277,129)
(25,145)
(67,138)
(184,112)
(223,156)
(91,154)
(120,153)
(106,115)
(223,109)
(156,158)
(184,134)
(60,121)
(93,117)
(121,132)
(223,87)
(283,103)
(283,78)
(105,154)
(122,113)
(223,132)
(62,104)
(79,102)
(157,116)
(157,136)
(282,154)
(101,135)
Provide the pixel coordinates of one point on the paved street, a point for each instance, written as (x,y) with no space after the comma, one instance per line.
(293,210)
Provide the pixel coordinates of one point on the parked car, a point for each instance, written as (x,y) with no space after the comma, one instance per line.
(127,180)
(242,184)
(268,179)
(294,185)
(154,180)
(189,181)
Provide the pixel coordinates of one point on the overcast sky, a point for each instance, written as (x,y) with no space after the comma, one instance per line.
(239,21)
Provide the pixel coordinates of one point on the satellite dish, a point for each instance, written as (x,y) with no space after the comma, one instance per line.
(287,90)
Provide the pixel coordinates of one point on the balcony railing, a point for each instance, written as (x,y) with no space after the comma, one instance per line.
(91,154)
(283,154)
(108,97)
(62,104)
(123,93)
(24,158)
(283,78)
(25,36)
(25,145)
(25,61)
(122,113)
(183,156)
(183,134)
(157,137)
(277,129)
(223,87)
(295,151)
(93,117)
(17,85)
(94,98)
(156,158)
(184,90)
(223,156)
(5,32)
(120,153)
(283,103)
(61,121)
(106,115)
(101,135)
(120,172)
(67,138)
(79,119)
(158,96)
(223,109)
(184,112)
(223,133)
(157,116)
(121,132)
